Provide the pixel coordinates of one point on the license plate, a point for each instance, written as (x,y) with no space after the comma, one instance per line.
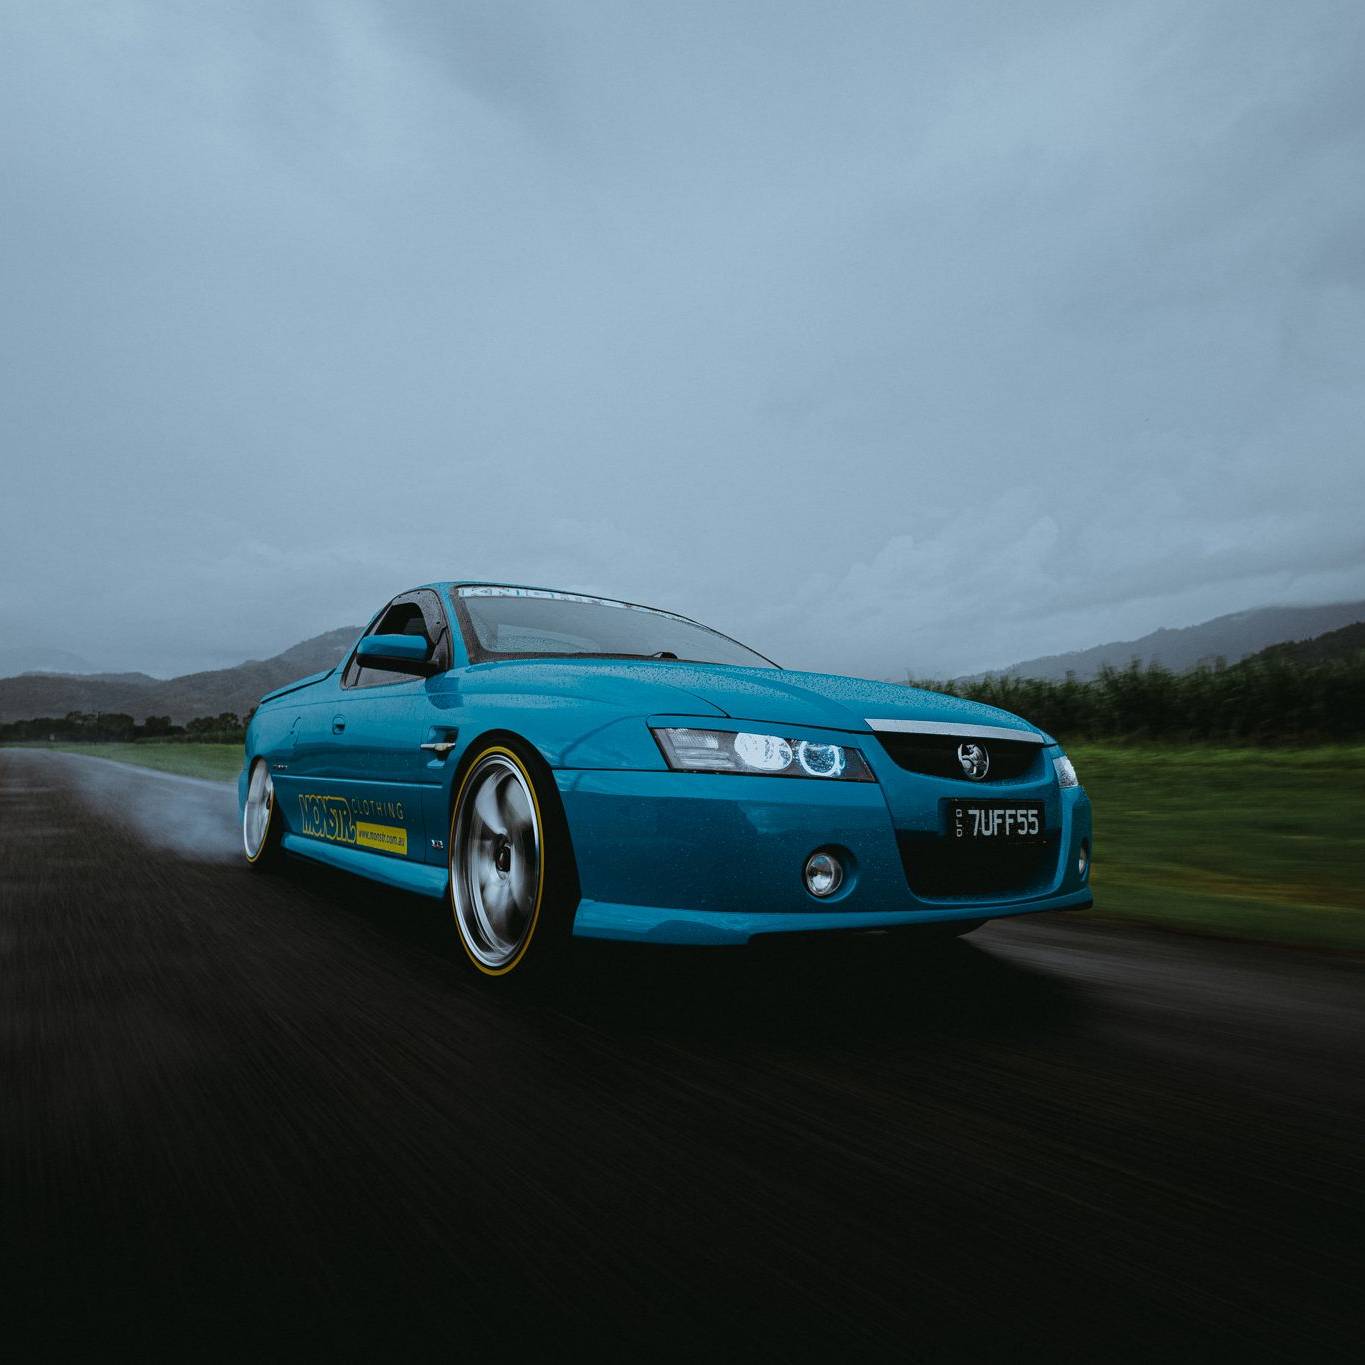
(996,822)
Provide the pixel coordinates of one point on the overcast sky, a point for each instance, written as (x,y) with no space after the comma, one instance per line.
(883,336)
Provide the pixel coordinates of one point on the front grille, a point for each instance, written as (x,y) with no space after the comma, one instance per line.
(936,755)
(940,869)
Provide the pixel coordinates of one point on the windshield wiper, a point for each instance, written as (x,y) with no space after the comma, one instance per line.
(597,654)
(616,654)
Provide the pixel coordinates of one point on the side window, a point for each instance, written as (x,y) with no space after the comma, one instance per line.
(412,614)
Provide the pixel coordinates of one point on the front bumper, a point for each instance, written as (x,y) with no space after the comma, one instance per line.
(705,858)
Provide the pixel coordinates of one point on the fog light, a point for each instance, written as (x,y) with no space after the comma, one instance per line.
(824,874)
(1083,860)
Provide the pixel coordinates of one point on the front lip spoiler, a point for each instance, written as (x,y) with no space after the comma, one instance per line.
(944,727)
(663,924)
(1087,905)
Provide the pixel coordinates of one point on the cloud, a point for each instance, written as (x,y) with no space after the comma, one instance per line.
(884,337)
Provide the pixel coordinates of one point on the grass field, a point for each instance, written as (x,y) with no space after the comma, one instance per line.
(218,762)
(1237,842)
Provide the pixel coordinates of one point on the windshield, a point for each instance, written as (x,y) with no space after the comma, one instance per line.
(510,623)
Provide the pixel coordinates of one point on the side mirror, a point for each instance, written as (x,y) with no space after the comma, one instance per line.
(398,653)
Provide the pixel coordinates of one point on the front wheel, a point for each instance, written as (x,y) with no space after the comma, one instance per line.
(510,865)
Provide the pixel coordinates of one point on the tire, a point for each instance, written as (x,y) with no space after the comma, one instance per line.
(262,825)
(513,888)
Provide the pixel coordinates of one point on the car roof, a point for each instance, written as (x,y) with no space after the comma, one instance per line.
(492,583)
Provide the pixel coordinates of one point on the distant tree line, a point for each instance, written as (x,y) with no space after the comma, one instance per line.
(1265,699)
(1270,698)
(114,725)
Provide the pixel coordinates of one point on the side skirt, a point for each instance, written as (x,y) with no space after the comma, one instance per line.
(421,878)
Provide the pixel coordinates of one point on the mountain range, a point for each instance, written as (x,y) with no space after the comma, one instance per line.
(17,659)
(194,694)
(1230,638)
(1346,643)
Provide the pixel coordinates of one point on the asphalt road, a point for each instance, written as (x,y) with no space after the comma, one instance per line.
(248,1116)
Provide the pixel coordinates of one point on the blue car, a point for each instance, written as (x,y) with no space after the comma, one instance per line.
(556,765)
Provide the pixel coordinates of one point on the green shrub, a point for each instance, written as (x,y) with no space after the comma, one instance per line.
(1264,700)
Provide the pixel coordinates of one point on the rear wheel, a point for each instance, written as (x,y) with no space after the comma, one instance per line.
(511,874)
(261,825)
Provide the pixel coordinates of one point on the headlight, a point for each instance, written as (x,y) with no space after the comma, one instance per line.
(725,751)
(1066,774)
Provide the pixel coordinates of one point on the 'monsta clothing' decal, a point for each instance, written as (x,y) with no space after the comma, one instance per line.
(334,818)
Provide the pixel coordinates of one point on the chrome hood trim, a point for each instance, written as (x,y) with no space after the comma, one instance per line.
(947,727)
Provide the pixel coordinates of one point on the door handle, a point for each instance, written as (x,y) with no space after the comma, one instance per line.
(338,724)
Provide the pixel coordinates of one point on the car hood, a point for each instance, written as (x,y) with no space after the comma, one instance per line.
(765,695)
(830,700)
